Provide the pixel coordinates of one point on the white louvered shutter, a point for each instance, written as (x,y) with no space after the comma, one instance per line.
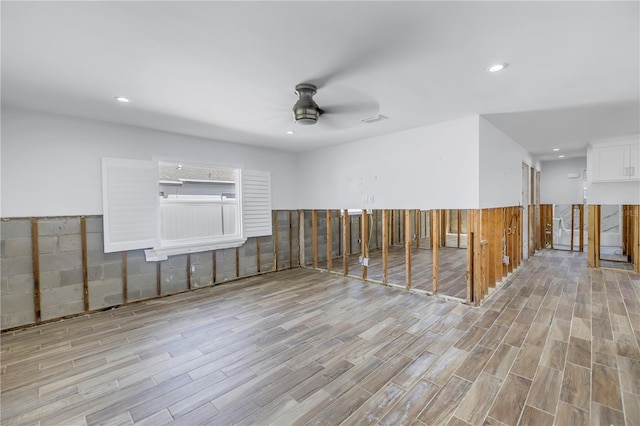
(129,204)
(256,203)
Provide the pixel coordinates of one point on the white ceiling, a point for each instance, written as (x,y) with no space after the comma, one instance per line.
(227,70)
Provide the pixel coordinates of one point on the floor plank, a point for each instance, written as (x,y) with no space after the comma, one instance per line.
(556,343)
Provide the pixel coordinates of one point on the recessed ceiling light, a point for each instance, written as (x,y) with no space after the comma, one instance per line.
(290,132)
(560,156)
(496,67)
(122,99)
(556,149)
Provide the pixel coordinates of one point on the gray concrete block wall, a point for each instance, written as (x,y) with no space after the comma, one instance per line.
(61,267)
(141,276)
(202,273)
(104,270)
(286,258)
(266,253)
(225,265)
(248,258)
(16,281)
(173,274)
(60,259)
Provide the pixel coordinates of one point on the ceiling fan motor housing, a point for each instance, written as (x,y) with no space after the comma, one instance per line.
(306,111)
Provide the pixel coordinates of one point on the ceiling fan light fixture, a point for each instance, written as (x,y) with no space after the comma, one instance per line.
(306,111)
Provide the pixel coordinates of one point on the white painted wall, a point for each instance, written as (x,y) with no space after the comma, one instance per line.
(427,168)
(555,185)
(501,158)
(613,192)
(51,164)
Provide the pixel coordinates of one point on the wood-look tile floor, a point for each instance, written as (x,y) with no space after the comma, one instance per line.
(558,343)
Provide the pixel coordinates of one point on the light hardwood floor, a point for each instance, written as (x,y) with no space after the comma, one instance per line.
(557,343)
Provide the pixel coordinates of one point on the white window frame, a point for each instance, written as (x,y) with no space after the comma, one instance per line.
(253,195)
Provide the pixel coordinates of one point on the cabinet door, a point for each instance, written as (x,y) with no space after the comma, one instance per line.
(610,163)
(634,164)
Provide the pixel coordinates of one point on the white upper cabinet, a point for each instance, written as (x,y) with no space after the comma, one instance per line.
(615,161)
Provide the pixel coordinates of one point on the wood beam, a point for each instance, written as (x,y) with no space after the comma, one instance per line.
(581,224)
(35,258)
(329,240)
(593,238)
(385,246)
(125,290)
(407,247)
(364,241)
(346,236)
(314,237)
(85,262)
(435,242)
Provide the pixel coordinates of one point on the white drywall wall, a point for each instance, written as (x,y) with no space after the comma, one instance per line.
(556,187)
(51,164)
(501,159)
(430,167)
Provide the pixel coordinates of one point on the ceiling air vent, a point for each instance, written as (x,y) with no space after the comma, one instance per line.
(374,118)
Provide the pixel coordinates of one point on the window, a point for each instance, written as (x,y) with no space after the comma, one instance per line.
(171,208)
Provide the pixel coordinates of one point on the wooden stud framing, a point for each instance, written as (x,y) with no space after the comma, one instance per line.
(258,253)
(407,247)
(329,240)
(346,236)
(418,231)
(237,262)
(573,224)
(460,226)
(300,239)
(581,224)
(290,239)
(35,256)
(275,241)
(314,237)
(435,243)
(125,290)
(85,262)
(443,228)
(213,266)
(364,240)
(189,271)
(634,213)
(375,227)
(385,246)
(477,255)
(158,279)
(593,245)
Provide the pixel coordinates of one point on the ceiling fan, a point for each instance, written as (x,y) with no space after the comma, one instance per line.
(307,112)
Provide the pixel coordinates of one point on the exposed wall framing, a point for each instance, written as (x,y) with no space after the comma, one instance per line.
(80,278)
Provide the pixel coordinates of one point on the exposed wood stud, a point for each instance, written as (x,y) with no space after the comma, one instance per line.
(314,237)
(635,221)
(581,224)
(407,247)
(435,242)
(258,253)
(125,290)
(346,237)
(85,262)
(237,262)
(418,231)
(573,215)
(329,240)
(290,239)
(392,225)
(275,241)
(385,246)
(189,271)
(340,236)
(460,225)
(364,240)
(593,240)
(300,239)
(158,279)
(443,228)
(213,266)
(35,255)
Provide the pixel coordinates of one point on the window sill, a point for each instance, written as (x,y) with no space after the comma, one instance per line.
(167,249)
